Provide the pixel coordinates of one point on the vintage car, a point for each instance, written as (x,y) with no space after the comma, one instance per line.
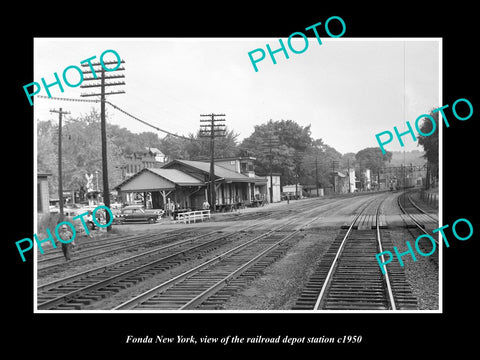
(75,210)
(137,213)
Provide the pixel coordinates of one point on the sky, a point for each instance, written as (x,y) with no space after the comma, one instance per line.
(348,90)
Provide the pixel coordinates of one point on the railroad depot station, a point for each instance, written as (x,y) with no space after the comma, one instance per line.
(184,185)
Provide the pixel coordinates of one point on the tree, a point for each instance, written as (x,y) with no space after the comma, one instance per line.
(81,151)
(198,148)
(430,146)
(318,164)
(285,157)
(225,146)
(297,157)
(175,147)
(372,158)
(47,153)
(348,160)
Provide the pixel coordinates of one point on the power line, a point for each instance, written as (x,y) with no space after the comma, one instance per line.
(123,111)
(148,124)
(67,99)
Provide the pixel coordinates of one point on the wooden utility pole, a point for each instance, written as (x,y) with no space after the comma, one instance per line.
(333,175)
(102,94)
(212,131)
(60,182)
(349,180)
(270,142)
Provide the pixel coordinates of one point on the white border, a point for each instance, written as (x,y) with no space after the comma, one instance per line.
(311,312)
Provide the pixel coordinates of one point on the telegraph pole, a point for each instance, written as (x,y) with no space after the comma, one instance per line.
(269,143)
(60,183)
(102,94)
(333,175)
(212,130)
(349,180)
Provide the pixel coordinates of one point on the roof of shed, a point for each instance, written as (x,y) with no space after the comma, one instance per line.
(176,176)
(141,180)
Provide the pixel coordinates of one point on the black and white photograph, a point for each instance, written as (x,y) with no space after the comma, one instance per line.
(233,189)
(240,179)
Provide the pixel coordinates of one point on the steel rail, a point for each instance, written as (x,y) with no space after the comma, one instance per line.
(334,263)
(420,209)
(223,282)
(419,226)
(380,248)
(99,284)
(140,240)
(105,243)
(103,268)
(146,295)
(77,293)
(172,282)
(333,266)
(134,257)
(348,277)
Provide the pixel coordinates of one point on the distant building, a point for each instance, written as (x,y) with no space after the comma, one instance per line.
(293,191)
(368,179)
(351,180)
(341,182)
(398,177)
(276,192)
(311,190)
(159,156)
(138,160)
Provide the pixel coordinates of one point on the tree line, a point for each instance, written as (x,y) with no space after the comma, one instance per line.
(282,147)
(292,152)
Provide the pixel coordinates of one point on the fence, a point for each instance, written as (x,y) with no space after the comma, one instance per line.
(188,217)
(429,198)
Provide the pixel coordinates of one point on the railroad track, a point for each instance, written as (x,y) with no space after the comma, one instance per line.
(414,212)
(84,289)
(413,221)
(415,226)
(203,284)
(80,290)
(88,251)
(349,277)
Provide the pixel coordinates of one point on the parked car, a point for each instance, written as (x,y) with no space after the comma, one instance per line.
(87,218)
(137,213)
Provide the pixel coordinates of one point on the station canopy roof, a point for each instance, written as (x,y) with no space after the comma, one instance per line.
(157,179)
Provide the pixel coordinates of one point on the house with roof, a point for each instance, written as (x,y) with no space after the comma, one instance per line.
(185,183)
(43,199)
(138,160)
(158,187)
(231,186)
(159,156)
